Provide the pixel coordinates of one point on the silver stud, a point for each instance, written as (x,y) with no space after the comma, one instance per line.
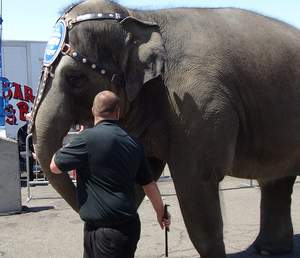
(99,15)
(75,54)
(93,66)
(103,71)
(84,60)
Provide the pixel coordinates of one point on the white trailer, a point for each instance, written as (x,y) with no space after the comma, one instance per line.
(21,65)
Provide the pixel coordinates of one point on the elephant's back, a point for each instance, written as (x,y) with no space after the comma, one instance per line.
(198,32)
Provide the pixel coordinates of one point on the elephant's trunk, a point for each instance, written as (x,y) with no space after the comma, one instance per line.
(52,123)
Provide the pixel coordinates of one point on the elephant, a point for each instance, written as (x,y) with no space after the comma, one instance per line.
(209,92)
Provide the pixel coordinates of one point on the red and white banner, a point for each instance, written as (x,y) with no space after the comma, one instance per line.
(20,99)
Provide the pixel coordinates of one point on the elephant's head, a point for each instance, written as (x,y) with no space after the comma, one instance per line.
(102,47)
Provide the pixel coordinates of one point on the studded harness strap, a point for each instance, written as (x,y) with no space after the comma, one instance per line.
(58,47)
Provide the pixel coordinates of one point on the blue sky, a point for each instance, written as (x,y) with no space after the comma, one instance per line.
(33,19)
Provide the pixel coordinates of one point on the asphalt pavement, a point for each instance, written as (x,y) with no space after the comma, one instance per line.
(49,228)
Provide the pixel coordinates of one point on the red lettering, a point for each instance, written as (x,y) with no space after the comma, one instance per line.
(18,92)
(28,94)
(23,109)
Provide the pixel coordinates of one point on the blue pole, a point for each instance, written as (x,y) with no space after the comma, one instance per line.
(1,21)
(2,102)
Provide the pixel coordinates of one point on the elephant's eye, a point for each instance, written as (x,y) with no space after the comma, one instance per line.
(76,81)
(73,79)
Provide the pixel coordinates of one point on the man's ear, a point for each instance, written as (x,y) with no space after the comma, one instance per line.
(145,54)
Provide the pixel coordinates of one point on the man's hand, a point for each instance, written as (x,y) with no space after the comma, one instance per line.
(164,222)
(54,169)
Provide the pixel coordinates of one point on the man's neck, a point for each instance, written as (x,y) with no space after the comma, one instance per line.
(97,120)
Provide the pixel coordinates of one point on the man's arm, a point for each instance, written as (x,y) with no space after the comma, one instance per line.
(152,192)
(145,179)
(53,167)
(72,156)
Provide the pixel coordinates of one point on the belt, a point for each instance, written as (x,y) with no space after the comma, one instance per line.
(111,224)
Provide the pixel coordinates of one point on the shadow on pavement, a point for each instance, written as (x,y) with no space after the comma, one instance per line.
(26,209)
(251,253)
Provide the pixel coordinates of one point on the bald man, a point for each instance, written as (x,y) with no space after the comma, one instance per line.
(108,163)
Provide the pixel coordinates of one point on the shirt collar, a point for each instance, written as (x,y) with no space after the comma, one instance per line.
(106,121)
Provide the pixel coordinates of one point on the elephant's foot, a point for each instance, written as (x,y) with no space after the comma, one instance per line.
(276,229)
(273,247)
(214,254)
(211,248)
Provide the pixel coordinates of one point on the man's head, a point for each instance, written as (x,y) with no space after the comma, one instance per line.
(106,105)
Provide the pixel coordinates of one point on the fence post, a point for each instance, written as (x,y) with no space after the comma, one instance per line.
(28,167)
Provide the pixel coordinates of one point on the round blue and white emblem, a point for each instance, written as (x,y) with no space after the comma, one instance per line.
(55,43)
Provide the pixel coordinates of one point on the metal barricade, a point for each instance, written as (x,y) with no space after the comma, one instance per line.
(42,181)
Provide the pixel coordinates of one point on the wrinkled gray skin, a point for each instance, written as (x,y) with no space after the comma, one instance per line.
(210,92)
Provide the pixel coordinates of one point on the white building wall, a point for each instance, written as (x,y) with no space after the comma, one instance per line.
(21,62)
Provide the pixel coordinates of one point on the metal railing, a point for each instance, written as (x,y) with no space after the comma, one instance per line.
(29,182)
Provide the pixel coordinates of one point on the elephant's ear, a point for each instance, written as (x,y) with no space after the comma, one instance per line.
(145,56)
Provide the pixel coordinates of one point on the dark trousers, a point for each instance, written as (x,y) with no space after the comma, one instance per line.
(115,241)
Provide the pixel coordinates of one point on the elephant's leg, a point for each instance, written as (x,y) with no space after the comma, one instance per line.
(276,230)
(157,167)
(200,207)
(197,167)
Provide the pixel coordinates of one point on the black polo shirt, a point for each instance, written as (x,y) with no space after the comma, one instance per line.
(108,163)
